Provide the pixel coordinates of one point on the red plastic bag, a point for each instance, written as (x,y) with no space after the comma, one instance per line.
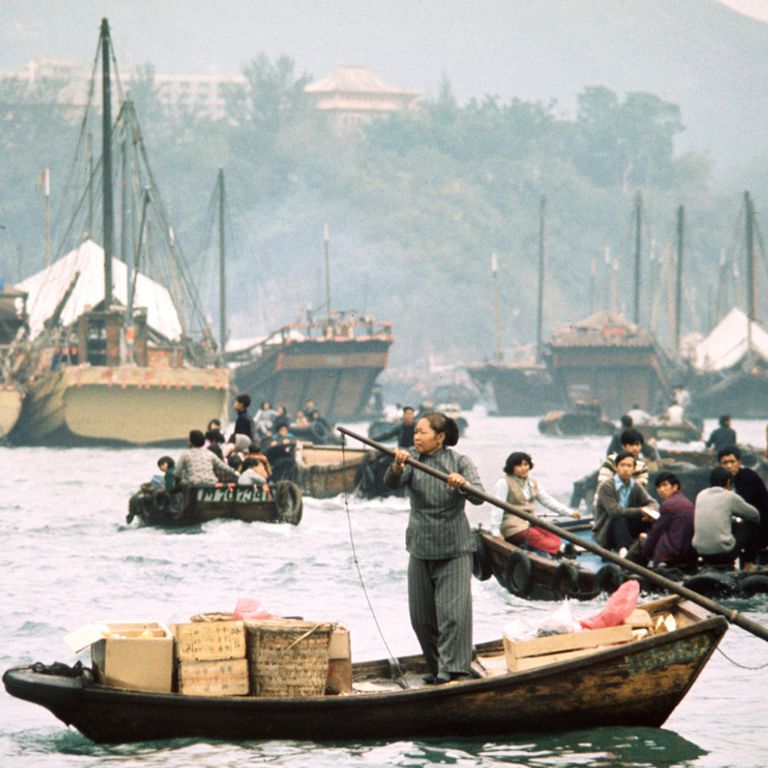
(620,604)
(249,609)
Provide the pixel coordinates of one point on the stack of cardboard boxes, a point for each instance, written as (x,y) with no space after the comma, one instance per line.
(211,658)
(200,658)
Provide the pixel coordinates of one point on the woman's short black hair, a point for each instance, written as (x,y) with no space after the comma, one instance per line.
(443,424)
(515,459)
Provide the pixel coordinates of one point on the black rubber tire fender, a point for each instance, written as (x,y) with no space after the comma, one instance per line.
(565,581)
(712,583)
(290,505)
(481,561)
(757,584)
(320,430)
(610,578)
(518,574)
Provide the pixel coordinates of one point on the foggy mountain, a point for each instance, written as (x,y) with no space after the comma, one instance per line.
(695,53)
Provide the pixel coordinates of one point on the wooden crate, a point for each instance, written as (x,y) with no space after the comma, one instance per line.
(529,654)
(210,640)
(226,677)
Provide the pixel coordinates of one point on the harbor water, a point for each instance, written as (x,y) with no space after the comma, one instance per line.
(69,558)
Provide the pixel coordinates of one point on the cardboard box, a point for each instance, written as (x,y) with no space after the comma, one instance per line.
(210,640)
(339,647)
(339,662)
(136,656)
(339,676)
(227,677)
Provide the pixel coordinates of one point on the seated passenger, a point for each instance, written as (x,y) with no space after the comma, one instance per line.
(669,542)
(624,508)
(720,534)
(631,442)
(264,418)
(519,489)
(301,421)
(253,473)
(166,465)
(198,465)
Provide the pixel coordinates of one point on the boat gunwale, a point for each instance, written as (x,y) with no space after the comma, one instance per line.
(701,625)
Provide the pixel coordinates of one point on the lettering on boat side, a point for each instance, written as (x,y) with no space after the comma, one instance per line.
(242,494)
(678,653)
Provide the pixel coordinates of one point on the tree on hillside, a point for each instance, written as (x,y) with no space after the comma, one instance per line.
(627,143)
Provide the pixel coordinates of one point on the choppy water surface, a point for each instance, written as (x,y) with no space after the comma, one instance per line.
(69,558)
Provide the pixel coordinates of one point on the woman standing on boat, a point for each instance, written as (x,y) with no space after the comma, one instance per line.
(440,545)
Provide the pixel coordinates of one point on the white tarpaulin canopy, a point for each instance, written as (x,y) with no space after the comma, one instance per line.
(47,287)
(726,345)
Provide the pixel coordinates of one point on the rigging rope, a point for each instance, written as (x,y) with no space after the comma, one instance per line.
(393,660)
(738,664)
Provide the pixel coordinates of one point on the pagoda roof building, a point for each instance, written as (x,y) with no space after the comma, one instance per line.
(354,95)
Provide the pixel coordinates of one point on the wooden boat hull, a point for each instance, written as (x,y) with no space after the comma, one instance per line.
(538,577)
(123,405)
(636,684)
(517,390)
(535,576)
(680,433)
(745,393)
(575,423)
(195,506)
(11,399)
(338,374)
(325,471)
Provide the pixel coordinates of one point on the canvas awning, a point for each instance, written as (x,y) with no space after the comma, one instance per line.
(47,288)
(727,343)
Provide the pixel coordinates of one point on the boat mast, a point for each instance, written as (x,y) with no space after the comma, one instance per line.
(126,248)
(540,298)
(679,275)
(638,247)
(222,269)
(751,276)
(496,305)
(47,215)
(106,131)
(326,250)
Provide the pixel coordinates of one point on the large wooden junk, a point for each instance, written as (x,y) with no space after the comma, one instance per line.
(116,356)
(13,337)
(333,361)
(610,361)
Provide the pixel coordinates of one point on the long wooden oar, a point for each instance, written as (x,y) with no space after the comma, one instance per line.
(714,607)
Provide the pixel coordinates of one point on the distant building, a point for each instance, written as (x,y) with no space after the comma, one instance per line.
(354,95)
(351,94)
(203,94)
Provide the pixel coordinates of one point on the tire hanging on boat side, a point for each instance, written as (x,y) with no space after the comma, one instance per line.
(518,574)
(482,568)
(290,505)
(609,578)
(752,585)
(565,581)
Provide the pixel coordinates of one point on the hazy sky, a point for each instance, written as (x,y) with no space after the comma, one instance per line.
(535,50)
